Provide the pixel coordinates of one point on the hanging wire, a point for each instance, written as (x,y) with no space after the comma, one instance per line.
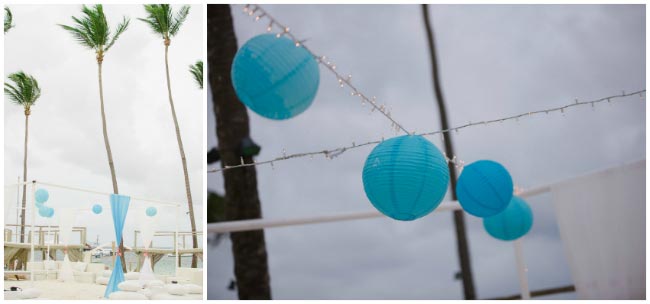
(332,153)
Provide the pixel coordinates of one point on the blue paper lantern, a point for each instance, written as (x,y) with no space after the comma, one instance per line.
(97,209)
(275,78)
(41,196)
(45,211)
(484,188)
(151,211)
(405,177)
(514,222)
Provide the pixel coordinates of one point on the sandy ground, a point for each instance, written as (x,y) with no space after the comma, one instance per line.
(55,290)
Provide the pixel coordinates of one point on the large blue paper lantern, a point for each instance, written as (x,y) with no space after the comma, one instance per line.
(275,78)
(41,196)
(484,188)
(514,222)
(405,177)
(151,211)
(97,209)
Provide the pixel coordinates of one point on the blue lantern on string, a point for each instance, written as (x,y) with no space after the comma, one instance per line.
(405,177)
(97,209)
(151,211)
(41,196)
(275,78)
(514,222)
(484,188)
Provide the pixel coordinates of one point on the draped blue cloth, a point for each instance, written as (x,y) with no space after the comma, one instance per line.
(119,208)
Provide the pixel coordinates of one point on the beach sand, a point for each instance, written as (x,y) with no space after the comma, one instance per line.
(55,290)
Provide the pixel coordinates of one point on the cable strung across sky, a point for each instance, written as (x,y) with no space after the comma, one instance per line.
(332,153)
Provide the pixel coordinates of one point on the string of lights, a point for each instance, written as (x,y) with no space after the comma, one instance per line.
(332,153)
(260,13)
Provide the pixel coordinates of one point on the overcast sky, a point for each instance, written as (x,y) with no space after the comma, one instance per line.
(496,60)
(66,144)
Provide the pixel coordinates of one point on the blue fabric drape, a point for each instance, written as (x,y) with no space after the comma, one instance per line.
(119,208)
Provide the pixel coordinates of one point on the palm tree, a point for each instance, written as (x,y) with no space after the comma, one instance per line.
(24,92)
(197,72)
(241,200)
(93,32)
(164,22)
(8,19)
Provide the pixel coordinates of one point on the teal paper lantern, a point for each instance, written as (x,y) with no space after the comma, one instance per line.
(151,211)
(484,188)
(45,211)
(405,177)
(275,78)
(514,222)
(97,209)
(41,196)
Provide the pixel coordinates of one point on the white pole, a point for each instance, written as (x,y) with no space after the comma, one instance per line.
(17,202)
(31,275)
(522,270)
(177,260)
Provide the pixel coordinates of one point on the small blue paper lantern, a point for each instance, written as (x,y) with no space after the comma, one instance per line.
(405,177)
(275,78)
(45,211)
(41,196)
(514,222)
(152,211)
(97,209)
(484,188)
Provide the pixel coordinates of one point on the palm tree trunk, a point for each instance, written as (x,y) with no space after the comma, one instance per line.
(24,204)
(190,205)
(107,144)
(242,200)
(459,218)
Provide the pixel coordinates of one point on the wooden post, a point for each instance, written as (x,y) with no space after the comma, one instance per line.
(113,251)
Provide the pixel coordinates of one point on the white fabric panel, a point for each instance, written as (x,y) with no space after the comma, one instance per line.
(602,224)
(65,273)
(66,221)
(147,229)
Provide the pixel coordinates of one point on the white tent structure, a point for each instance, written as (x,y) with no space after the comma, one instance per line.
(601,218)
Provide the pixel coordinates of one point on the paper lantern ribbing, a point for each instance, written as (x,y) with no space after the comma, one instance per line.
(97,209)
(514,222)
(275,78)
(484,188)
(152,211)
(41,196)
(405,177)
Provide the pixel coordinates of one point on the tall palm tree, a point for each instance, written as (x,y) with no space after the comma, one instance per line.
(8,19)
(92,31)
(242,200)
(24,92)
(197,72)
(164,22)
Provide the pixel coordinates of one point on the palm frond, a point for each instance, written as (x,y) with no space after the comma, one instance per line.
(92,29)
(118,31)
(197,72)
(24,91)
(179,19)
(161,19)
(9,19)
